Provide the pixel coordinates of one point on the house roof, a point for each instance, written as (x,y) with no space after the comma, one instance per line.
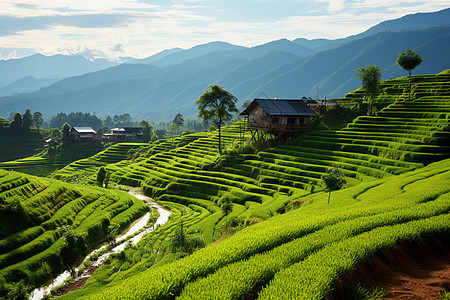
(280,107)
(118,130)
(133,129)
(84,129)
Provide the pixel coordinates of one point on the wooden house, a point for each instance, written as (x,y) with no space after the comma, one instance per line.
(282,118)
(124,133)
(83,134)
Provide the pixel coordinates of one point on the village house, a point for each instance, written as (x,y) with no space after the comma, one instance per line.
(282,118)
(83,134)
(124,133)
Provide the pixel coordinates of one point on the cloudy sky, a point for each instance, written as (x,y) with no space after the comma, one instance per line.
(139,28)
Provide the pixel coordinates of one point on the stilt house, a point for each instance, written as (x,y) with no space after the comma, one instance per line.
(282,118)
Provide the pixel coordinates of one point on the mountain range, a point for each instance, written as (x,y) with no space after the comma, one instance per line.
(160,86)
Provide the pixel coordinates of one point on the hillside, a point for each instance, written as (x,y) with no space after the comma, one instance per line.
(35,213)
(280,68)
(390,197)
(293,256)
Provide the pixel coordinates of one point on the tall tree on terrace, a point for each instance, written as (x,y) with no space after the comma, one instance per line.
(409,60)
(216,105)
(146,130)
(38,119)
(370,78)
(178,121)
(27,120)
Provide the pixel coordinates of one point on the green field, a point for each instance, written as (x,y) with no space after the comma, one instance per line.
(397,170)
(33,211)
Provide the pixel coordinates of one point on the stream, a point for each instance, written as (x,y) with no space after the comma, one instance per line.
(38,293)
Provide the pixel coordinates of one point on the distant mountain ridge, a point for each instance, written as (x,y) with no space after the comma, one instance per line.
(158,87)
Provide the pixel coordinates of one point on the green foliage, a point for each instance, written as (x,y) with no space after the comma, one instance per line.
(333,180)
(444,295)
(216,105)
(360,292)
(409,60)
(226,204)
(18,291)
(101,175)
(178,121)
(184,243)
(370,78)
(38,119)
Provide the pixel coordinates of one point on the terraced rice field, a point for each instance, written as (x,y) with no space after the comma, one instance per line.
(33,212)
(390,197)
(293,256)
(43,165)
(78,170)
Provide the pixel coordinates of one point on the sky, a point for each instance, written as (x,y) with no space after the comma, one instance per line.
(140,28)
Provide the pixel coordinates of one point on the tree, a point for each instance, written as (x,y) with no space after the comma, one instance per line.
(409,60)
(226,204)
(173,128)
(147,130)
(65,133)
(216,105)
(178,121)
(101,175)
(113,230)
(74,244)
(38,119)
(333,180)
(56,133)
(370,78)
(27,120)
(16,123)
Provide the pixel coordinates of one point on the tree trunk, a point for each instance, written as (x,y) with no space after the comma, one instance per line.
(409,96)
(329,195)
(220,137)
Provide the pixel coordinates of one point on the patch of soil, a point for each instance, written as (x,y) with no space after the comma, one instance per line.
(416,270)
(77,284)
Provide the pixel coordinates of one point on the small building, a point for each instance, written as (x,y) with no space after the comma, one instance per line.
(124,133)
(83,134)
(282,118)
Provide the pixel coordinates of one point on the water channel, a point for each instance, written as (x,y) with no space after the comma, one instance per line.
(38,293)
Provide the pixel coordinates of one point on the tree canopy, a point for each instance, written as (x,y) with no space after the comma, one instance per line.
(216,105)
(370,78)
(178,121)
(333,180)
(409,60)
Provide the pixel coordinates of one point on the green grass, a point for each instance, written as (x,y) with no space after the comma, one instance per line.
(293,256)
(34,209)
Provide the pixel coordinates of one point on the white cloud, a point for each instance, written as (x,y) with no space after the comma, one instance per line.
(134,28)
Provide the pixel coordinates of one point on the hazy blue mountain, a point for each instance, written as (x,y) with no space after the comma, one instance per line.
(26,85)
(55,66)
(412,22)
(409,22)
(194,52)
(333,69)
(156,57)
(280,69)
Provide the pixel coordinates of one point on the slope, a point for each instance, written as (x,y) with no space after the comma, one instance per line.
(35,212)
(194,180)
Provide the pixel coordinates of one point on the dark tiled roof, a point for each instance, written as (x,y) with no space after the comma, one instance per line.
(133,130)
(279,107)
(84,129)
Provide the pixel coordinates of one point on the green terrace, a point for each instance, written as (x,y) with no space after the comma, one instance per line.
(33,213)
(293,255)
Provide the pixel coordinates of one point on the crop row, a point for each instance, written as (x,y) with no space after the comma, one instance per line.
(33,249)
(369,207)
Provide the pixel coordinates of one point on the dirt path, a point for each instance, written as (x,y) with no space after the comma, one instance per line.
(417,270)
